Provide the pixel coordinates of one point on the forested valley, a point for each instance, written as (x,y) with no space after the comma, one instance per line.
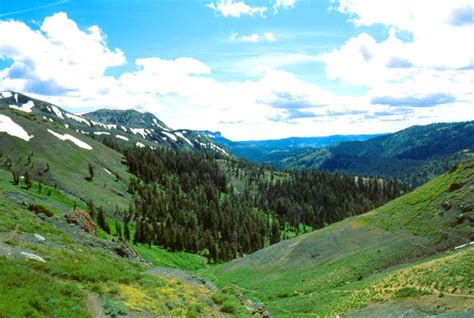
(224,208)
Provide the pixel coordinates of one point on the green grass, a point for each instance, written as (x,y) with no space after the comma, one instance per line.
(161,257)
(74,270)
(344,265)
(30,293)
(68,163)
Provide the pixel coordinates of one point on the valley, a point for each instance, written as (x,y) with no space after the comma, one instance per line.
(113,213)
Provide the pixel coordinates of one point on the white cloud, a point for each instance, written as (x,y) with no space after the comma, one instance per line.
(286,4)
(55,57)
(183,92)
(231,8)
(254,37)
(251,38)
(434,62)
(269,36)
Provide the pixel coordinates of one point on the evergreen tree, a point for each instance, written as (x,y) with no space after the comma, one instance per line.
(90,177)
(27,180)
(102,222)
(118,230)
(126,232)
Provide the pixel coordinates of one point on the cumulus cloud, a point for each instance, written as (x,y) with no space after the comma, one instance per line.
(429,67)
(68,66)
(59,52)
(231,8)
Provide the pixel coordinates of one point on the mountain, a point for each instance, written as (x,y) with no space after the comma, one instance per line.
(91,222)
(125,127)
(260,151)
(413,155)
(411,256)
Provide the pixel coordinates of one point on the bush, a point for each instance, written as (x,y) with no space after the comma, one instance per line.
(40,209)
(230,306)
(219,298)
(409,292)
(114,307)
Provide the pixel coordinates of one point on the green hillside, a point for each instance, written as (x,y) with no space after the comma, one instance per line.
(413,155)
(68,164)
(50,267)
(404,250)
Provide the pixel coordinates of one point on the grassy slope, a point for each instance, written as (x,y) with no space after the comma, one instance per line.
(68,163)
(81,276)
(347,264)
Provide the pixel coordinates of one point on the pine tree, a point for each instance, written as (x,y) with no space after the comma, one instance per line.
(118,230)
(90,177)
(27,180)
(126,232)
(16,178)
(102,222)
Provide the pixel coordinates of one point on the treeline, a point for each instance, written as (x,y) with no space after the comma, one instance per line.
(224,208)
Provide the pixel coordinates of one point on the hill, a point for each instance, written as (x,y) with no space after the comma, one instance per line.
(182,198)
(60,148)
(413,254)
(413,155)
(262,151)
(125,127)
(54,262)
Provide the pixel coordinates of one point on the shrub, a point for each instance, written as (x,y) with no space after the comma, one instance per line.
(40,209)
(114,307)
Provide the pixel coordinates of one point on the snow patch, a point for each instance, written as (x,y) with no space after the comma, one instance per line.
(108,171)
(16,97)
(57,111)
(98,133)
(179,134)
(139,145)
(171,136)
(8,126)
(6,94)
(66,125)
(121,137)
(140,131)
(26,107)
(73,139)
(78,119)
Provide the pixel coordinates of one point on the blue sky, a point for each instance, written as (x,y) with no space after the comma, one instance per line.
(251,69)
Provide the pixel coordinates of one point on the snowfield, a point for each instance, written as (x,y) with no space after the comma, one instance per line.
(27,107)
(73,139)
(7,125)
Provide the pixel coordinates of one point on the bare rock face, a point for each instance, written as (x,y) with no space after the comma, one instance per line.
(83,220)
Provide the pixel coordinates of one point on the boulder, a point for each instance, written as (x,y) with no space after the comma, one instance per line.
(82,219)
(39,237)
(123,250)
(33,257)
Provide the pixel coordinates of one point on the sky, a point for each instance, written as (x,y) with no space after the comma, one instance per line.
(252,69)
